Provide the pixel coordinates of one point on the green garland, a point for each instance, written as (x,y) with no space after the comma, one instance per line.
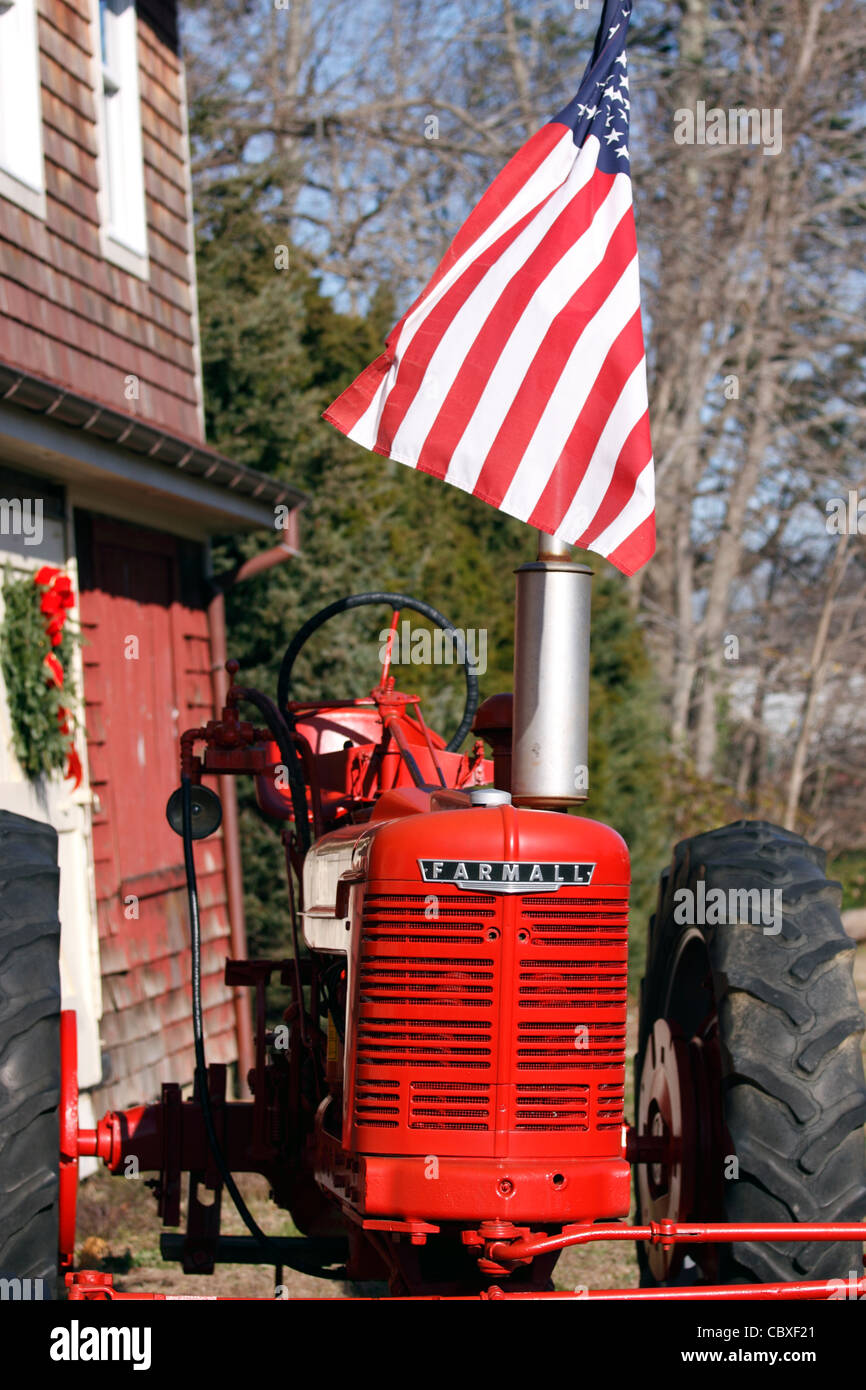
(39,743)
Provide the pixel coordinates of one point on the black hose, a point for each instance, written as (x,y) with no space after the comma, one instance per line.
(289,754)
(396,601)
(201,1089)
(275,1253)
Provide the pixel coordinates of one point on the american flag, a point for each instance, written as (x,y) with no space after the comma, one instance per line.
(519,373)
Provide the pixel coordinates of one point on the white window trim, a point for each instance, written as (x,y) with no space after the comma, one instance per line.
(26,187)
(128,252)
(30,199)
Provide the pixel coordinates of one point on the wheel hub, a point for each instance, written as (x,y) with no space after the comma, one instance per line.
(666,1110)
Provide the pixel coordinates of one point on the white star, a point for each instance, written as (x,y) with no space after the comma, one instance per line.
(609,92)
(617,96)
(622,58)
(624,82)
(590,112)
(611,32)
(622,154)
(611,136)
(580,108)
(627,105)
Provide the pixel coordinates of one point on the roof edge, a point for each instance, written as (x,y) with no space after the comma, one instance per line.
(21,388)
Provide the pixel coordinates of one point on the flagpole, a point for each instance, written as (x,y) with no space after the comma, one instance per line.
(550,729)
(552,548)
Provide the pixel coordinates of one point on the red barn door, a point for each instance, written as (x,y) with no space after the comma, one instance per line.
(146,678)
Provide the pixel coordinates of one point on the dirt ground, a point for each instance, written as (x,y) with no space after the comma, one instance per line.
(118,1231)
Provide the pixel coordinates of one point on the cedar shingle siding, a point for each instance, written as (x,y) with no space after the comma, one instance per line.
(66,313)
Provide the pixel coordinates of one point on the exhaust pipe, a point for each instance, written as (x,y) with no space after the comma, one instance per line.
(549,765)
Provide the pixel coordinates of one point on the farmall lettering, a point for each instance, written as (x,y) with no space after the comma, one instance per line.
(500,876)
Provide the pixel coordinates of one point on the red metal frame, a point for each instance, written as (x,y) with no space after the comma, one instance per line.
(90,1285)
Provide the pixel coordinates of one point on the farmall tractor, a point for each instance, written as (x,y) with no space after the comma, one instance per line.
(442,1107)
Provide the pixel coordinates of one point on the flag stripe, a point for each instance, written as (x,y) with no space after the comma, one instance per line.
(351,411)
(583,320)
(638,547)
(416,363)
(637,453)
(629,407)
(547,308)
(625,353)
(568,397)
(475,238)
(467,307)
(494,373)
(541,165)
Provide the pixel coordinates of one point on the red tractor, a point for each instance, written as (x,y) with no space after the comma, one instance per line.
(442,1107)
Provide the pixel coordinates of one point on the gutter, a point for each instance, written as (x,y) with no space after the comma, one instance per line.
(111,426)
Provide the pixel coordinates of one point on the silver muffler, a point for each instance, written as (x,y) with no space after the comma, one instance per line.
(549,766)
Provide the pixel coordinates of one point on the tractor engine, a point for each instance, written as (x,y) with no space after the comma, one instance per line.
(477,1063)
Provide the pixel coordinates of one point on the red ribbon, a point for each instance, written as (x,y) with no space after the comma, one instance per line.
(55,603)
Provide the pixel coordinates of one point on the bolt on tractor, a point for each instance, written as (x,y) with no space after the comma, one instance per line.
(442,1106)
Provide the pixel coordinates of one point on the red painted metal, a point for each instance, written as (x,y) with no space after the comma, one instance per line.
(92,1286)
(678,1233)
(389,647)
(67,1198)
(485,1030)
(468,1189)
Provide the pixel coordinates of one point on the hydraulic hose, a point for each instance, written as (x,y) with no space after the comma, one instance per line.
(198,1021)
(289,754)
(274,1254)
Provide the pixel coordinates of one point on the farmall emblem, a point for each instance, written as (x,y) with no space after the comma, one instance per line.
(496,876)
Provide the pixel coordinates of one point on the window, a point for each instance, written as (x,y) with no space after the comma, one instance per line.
(22,178)
(125,225)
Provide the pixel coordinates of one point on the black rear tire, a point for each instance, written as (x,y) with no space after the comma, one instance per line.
(29,1051)
(792,1098)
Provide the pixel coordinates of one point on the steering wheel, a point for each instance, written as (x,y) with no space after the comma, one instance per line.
(396,601)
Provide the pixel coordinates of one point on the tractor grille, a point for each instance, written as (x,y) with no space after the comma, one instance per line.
(551,1046)
(492,1014)
(443,1042)
(395,917)
(560,984)
(449,982)
(378,1106)
(572,996)
(585,922)
(552,1107)
(449,1105)
(426,988)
